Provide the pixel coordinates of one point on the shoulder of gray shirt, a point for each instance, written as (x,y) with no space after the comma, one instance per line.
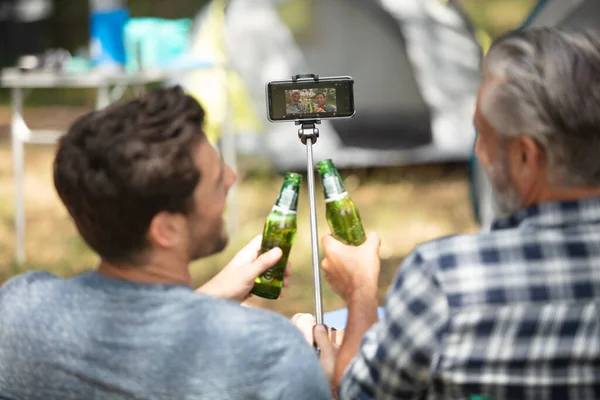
(38,283)
(244,326)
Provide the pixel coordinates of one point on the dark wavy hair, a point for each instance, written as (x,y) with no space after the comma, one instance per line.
(116,168)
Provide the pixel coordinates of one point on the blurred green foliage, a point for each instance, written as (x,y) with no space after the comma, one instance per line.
(297,15)
(497,16)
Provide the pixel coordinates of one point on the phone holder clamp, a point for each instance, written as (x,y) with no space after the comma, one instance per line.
(314,77)
(308,130)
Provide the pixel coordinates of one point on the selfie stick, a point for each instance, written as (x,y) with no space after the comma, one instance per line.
(308,135)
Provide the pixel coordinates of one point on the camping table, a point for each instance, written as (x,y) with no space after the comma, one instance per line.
(21,134)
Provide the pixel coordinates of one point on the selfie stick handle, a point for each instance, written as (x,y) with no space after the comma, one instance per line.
(308,135)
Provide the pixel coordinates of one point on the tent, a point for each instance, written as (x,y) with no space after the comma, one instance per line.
(568,14)
(578,14)
(415,65)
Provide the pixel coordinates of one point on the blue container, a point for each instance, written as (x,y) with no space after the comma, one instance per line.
(155,42)
(107,46)
(337,319)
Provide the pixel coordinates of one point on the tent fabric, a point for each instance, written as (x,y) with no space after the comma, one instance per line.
(415,64)
(572,13)
(218,88)
(390,106)
(445,57)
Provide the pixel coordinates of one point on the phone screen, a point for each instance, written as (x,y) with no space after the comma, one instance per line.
(303,100)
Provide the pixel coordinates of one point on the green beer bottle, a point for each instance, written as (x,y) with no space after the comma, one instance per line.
(341,213)
(279,231)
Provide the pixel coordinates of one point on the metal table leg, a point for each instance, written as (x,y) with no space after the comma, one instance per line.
(229,153)
(102,97)
(17,134)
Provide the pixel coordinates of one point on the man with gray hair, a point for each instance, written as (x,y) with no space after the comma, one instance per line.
(511,313)
(294,106)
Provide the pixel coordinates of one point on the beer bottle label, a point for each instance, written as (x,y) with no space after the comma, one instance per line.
(336,197)
(287,200)
(333,188)
(268,275)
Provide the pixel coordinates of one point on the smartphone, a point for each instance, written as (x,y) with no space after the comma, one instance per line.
(331,97)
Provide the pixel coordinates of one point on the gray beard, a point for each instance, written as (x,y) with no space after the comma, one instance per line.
(507,202)
(506,196)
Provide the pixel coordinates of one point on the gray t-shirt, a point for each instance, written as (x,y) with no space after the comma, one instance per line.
(93,337)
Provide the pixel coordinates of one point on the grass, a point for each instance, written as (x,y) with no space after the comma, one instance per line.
(405,206)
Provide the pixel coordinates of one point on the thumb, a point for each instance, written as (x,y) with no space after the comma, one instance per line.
(266,261)
(248,252)
(373,241)
(330,243)
(322,340)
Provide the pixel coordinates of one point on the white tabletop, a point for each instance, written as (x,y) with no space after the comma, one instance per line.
(14,78)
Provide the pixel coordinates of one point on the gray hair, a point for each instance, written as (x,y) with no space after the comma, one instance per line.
(545,83)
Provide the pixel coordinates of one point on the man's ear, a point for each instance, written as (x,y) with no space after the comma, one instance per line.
(528,162)
(165,229)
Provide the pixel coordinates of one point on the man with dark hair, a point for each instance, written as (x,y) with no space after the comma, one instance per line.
(322,106)
(511,313)
(147,192)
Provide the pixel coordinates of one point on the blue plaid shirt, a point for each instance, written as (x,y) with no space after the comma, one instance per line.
(509,314)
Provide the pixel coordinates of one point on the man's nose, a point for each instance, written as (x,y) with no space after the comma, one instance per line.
(231,177)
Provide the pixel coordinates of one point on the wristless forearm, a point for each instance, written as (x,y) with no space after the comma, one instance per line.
(362,314)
